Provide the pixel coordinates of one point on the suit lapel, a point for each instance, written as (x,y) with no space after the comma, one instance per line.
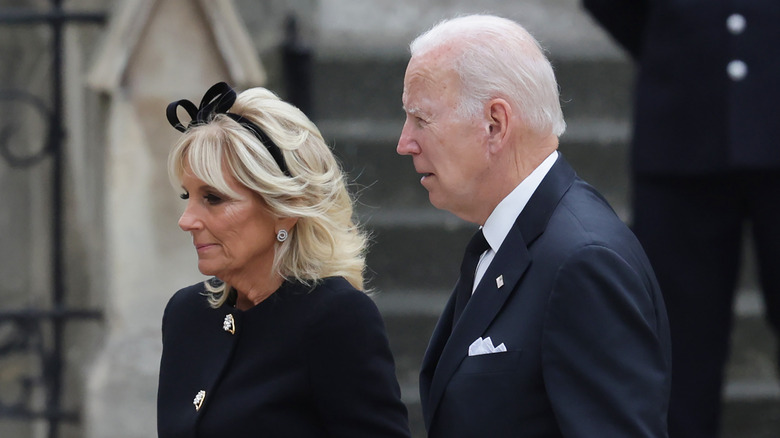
(511,262)
(433,353)
(480,311)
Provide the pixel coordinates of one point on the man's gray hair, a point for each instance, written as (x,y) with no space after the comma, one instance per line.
(497,58)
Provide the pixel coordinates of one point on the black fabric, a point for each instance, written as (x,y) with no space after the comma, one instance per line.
(477,245)
(581,316)
(705,163)
(693,230)
(306,362)
(218,100)
(689,116)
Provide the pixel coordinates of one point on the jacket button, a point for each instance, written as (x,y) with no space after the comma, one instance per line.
(736,23)
(737,70)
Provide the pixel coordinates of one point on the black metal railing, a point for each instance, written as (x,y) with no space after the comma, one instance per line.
(39,332)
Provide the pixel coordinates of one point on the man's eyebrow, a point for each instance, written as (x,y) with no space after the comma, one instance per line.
(414,111)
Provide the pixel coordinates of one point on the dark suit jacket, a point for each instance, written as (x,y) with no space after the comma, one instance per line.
(583,321)
(303,363)
(690,116)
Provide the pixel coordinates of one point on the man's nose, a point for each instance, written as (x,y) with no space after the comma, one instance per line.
(406,144)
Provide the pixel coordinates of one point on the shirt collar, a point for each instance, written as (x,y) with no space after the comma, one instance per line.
(502,218)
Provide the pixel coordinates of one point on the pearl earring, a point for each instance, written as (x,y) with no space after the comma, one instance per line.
(281,235)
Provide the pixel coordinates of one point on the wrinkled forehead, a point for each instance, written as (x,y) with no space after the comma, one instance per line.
(430,77)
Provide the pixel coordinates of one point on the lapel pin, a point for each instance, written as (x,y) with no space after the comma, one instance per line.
(229,324)
(198,401)
(500,281)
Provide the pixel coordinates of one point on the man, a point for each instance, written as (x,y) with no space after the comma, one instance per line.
(705,161)
(565,334)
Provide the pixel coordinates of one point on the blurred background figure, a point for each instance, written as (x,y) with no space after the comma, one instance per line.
(705,159)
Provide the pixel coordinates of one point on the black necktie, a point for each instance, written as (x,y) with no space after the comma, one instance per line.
(474,250)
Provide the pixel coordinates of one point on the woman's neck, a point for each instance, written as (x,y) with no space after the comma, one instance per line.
(251,292)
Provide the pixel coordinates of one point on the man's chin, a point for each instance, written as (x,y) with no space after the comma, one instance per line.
(436,201)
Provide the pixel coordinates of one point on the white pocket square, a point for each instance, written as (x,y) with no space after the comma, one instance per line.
(485,346)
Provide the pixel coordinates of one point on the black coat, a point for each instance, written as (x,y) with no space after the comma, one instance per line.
(691,116)
(574,300)
(303,363)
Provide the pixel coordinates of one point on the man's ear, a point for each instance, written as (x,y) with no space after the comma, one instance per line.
(499,114)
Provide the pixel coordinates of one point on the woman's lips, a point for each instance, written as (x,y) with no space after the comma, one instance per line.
(204,246)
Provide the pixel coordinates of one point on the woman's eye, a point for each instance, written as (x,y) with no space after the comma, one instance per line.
(212,199)
(185,196)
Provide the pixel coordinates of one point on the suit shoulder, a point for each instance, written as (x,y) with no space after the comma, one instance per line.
(336,296)
(188,299)
(583,217)
(588,209)
(338,289)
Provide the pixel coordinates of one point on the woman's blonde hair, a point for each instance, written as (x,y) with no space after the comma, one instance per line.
(325,241)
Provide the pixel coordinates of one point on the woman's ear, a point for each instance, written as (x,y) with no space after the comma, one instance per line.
(286,223)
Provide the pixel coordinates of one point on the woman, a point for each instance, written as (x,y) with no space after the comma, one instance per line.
(282,342)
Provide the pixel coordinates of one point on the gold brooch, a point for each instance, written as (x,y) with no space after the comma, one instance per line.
(229,324)
(198,400)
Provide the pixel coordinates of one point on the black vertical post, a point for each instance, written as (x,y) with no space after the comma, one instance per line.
(296,68)
(58,235)
(58,314)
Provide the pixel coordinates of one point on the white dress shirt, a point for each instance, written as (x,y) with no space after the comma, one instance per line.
(502,218)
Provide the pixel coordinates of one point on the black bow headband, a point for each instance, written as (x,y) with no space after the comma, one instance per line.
(218,100)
